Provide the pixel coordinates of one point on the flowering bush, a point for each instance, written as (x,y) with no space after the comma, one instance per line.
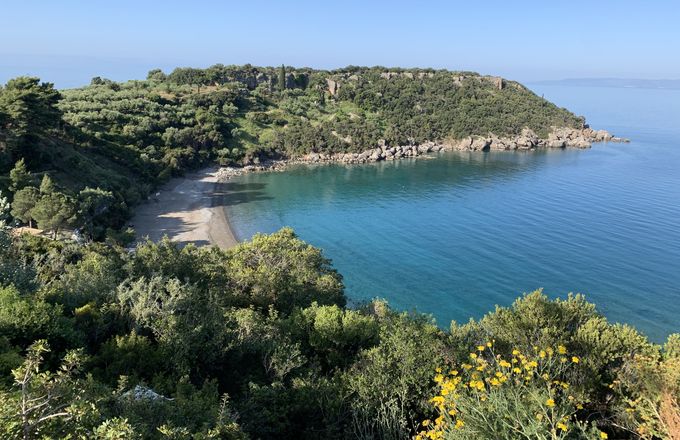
(650,387)
(523,396)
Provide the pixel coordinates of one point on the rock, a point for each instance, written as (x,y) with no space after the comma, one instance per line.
(333,86)
(140,392)
(480,144)
(463,144)
(290,81)
(579,142)
(556,143)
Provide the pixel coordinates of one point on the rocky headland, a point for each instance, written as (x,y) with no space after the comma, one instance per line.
(527,140)
(564,137)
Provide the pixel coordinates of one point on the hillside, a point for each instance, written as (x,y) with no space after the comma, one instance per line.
(121,140)
(241,113)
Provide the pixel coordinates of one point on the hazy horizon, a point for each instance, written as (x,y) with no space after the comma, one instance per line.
(70,42)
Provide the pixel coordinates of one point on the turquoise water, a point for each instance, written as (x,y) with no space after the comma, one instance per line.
(457,234)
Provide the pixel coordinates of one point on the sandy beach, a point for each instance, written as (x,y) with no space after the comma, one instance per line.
(188,209)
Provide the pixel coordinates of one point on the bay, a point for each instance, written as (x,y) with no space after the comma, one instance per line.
(455,234)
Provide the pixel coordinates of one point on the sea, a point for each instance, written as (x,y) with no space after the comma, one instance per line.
(455,234)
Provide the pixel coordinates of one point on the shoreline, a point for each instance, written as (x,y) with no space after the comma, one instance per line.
(527,140)
(187,209)
(193,208)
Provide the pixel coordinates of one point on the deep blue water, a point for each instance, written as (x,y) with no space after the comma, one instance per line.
(455,235)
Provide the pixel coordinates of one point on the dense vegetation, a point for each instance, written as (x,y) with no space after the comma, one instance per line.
(117,141)
(97,341)
(257,342)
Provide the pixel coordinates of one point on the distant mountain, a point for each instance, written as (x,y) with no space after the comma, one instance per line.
(615,82)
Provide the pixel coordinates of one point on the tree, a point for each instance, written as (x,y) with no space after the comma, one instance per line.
(156,75)
(53,211)
(282,78)
(42,398)
(189,76)
(19,176)
(281,270)
(93,204)
(30,108)
(46,185)
(24,201)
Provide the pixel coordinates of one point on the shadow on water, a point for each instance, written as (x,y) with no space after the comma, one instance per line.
(234,193)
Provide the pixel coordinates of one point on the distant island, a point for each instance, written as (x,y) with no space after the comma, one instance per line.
(670,84)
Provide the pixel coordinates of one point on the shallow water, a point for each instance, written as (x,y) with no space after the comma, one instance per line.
(459,233)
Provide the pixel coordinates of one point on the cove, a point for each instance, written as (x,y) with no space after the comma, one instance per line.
(457,233)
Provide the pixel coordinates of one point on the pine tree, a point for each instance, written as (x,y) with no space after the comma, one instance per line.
(53,211)
(46,185)
(24,201)
(19,177)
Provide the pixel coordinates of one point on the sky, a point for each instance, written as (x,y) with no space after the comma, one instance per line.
(67,42)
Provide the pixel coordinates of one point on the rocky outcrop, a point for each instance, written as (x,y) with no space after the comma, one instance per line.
(526,140)
(333,86)
(564,137)
(381,152)
(558,138)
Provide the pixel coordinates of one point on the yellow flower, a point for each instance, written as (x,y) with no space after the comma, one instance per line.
(504,364)
(562,426)
(515,352)
(473,355)
(488,344)
(480,348)
(541,354)
(438,370)
(550,403)
(453,372)
(603,435)
(561,349)
(459,424)
(495,382)
(516,370)
(426,422)
(575,359)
